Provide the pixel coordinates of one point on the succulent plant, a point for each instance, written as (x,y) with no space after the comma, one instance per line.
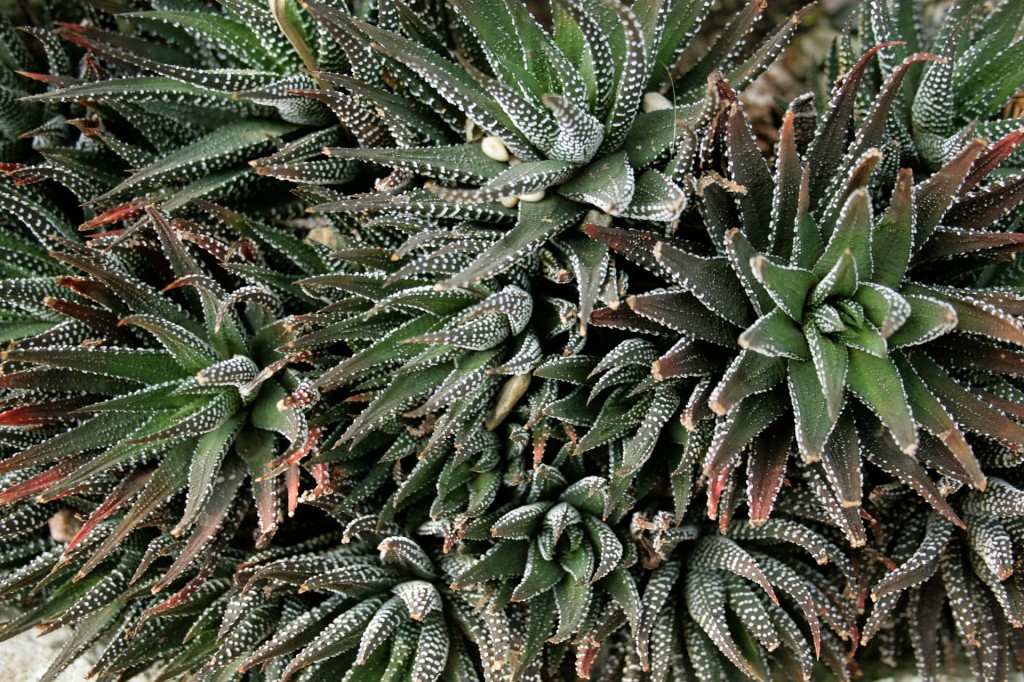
(968,92)
(27,272)
(747,597)
(142,399)
(565,122)
(946,592)
(387,617)
(825,319)
(188,401)
(427,341)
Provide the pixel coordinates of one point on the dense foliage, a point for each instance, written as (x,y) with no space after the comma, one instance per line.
(378,340)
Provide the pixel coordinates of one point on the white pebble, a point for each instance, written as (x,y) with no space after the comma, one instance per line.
(532,198)
(495,148)
(655,101)
(64,525)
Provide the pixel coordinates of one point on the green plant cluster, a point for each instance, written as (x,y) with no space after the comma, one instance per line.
(418,340)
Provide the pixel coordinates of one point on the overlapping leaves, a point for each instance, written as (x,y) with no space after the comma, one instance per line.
(825,316)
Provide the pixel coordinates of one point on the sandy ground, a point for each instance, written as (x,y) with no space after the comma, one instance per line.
(26,657)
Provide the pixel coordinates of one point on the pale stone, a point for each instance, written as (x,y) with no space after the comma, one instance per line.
(495,149)
(655,101)
(324,235)
(64,525)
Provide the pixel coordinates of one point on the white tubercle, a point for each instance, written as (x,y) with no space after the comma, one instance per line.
(495,148)
(655,101)
(532,198)
(509,202)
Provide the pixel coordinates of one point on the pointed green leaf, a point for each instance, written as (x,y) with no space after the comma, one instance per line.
(787,286)
(776,335)
(711,280)
(929,319)
(852,235)
(537,222)
(878,385)
(144,366)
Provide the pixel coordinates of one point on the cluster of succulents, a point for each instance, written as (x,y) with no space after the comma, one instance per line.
(422,341)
